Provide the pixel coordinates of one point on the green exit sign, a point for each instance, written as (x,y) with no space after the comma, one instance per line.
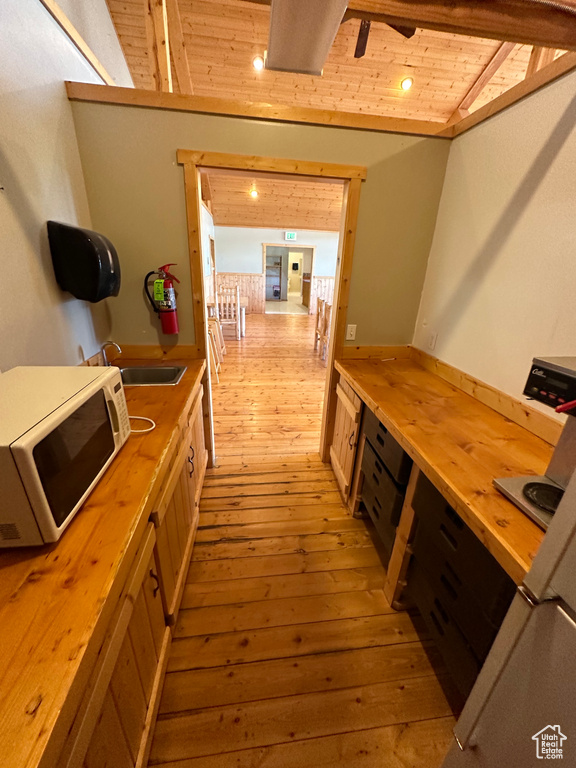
(290,236)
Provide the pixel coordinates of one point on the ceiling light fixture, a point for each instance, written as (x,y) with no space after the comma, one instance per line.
(407,83)
(254,193)
(258,63)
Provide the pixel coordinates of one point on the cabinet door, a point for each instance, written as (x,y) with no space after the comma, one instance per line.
(121,734)
(345,440)
(174,540)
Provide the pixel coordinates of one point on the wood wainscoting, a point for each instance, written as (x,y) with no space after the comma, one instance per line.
(252,285)
(322,288)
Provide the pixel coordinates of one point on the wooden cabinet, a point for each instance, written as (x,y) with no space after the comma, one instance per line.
(346,432)
(114,723)
(116,715)
(177,509)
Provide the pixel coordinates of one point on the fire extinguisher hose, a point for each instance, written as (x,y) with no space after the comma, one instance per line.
(147,291)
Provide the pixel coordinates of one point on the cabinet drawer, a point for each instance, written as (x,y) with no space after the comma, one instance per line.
(386,531)
(460,603)
(486,580)
(388,449)
(389,497)
(457,654)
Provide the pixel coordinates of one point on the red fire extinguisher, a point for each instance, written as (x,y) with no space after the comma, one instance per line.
(164,300)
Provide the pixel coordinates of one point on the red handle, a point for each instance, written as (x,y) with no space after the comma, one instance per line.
(167,273)
(566,407)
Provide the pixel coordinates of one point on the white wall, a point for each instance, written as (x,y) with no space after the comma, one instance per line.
(500,286)
(93,21)
(42,178)
(207,232)
(239,249)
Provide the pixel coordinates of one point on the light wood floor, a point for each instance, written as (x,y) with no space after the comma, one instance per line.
(286,653)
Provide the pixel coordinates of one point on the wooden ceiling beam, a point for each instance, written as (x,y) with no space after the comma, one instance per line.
(178,48)
(516,21)
(482,81)
(158,44)
(539,58)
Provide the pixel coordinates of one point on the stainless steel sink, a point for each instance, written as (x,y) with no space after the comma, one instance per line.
(152,375)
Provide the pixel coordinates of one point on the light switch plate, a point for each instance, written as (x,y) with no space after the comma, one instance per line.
(350,332)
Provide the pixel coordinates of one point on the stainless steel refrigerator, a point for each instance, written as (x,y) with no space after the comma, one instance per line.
(522,709)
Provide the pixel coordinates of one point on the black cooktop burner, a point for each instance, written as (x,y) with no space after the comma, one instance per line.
(543,495)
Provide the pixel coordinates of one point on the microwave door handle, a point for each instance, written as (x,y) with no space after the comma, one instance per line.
(114,416)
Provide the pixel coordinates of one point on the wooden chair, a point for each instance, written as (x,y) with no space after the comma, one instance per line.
(228,301)
(213,356)
(325,340)
(214,324)
(319,323)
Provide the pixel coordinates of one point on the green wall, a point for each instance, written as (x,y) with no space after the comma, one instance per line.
(136,196)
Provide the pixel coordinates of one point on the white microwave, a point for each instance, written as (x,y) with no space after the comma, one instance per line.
(60,427)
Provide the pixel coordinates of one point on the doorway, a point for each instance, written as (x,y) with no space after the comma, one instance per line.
(288,272)
(349,179)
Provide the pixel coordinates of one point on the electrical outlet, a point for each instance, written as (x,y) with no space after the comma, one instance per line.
(432,341)
(350,332)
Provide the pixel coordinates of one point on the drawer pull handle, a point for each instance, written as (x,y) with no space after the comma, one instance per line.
(191,472)
(378,467)
(380,440)
(453,575)
(376,512)
(351,439)
(449,538)
(377,503)
(441,611)
(155,577)
(436,623)
(448,587)
(192,449)
(375,479)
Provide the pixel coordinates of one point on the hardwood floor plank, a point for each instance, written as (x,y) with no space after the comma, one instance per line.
(421,744)
(298,640)
(218,686)
(306,475)
(276,514)
(274,487)
(280,613)
(278,528)
(279,500)
(200,594)
(276,721)
(280,545)
(252,567)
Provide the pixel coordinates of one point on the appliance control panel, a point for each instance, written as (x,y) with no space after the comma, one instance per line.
(552,380)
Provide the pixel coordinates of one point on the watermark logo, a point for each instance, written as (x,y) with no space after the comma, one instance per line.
(549,743)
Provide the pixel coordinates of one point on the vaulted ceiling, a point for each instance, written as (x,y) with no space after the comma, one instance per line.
(282,202)
(215,42)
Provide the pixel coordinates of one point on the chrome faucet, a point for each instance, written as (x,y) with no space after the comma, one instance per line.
(103,350)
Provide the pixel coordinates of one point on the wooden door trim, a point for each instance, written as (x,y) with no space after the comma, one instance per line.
(352,175)
(194,217)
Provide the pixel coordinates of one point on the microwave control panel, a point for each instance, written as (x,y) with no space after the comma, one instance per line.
(552,380)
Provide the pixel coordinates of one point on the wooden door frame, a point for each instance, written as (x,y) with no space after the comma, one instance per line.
(352,176)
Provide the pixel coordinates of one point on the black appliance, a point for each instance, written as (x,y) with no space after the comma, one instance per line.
(85,262)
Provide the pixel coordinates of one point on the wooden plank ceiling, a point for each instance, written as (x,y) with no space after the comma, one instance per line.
(282,203)
(220,38)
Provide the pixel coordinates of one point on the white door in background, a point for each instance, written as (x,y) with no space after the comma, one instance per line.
(295,275)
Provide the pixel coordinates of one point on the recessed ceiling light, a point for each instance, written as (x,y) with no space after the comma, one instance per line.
(407,83)
(258,63)
(254,193)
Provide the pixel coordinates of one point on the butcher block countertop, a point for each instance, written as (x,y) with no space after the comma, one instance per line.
(56,600)
(461,445)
